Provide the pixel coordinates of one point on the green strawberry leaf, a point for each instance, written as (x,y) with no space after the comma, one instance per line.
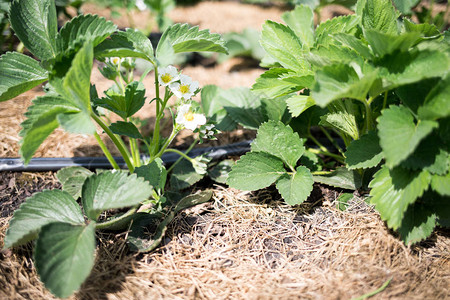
(184,175)
(399,135)
(39,210)
(297,104)
(383,43)
(271,84)
(301,21)
(405,6)
(20,73)
(341,178)
(81,30)
(35,23)
(72,179)
(380,15)
(343,117)
(341,81)
(355,44)
(127,129)
(180,38)
(326,30)
(113,189)
(394,190)
(295,188)
(437,102)
(279,140)
(219,173)
(255,170)
(364,153)
(284,46)
(129,43)
(64,256)
(155,173)
(125,106)
(41,122)
(418,223)
(342,201)
(409,67)
(441,184)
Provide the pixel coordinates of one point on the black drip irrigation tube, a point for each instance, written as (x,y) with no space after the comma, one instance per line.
(54,164)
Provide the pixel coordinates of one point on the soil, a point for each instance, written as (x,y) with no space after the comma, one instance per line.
(240,245)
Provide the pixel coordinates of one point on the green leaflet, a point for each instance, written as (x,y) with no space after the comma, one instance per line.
(271,83)
(404,6)
(39,210)
(299,103)
(125,106)
(341,178)
(19,74)
(180,38)
(131,43)
(342,24)
(41,122)
(113,189)
(126,129)
(383,43)
(332,54)
(343,117)
(184,175)
(418,223)
(76,85)
(72,179)
(279,140)
(296,188)
(380,15)
(284,46)
(437,101)
(64,256)
(301,21)
(341,81)
(394,190)
(219,173)
(399,134)
(155,173)
(35,23)
(255,170)
(81,30)
(408,67)
(354,43)
(441,184)
(364,153)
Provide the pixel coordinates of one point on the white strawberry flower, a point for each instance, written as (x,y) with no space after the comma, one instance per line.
(114,60)
(141,5)
(168,75)
(184,89)
(187,118)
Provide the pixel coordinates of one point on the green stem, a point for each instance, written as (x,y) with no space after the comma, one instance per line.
(321,147)
(110,223)
(321,173)
(106,152)
(385,100)
(179,153)
(373,293)
(185,152)
(155,140)
(167,143)
(117,141)
(333,141)
(327,153)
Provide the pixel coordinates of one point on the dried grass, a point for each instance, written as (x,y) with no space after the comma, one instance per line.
(252,246)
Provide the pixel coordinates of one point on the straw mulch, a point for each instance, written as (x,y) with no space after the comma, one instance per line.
(247,246)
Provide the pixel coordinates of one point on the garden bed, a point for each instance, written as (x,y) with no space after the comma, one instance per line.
(240,245)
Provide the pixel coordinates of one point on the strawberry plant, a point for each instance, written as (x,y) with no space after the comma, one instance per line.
(380,83)
(65,234)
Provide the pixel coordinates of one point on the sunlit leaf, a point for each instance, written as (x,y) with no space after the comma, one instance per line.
(295,188)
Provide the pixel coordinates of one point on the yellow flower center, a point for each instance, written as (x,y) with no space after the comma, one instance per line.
(116,60)
(189,116)
(184,89)
(166,78)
